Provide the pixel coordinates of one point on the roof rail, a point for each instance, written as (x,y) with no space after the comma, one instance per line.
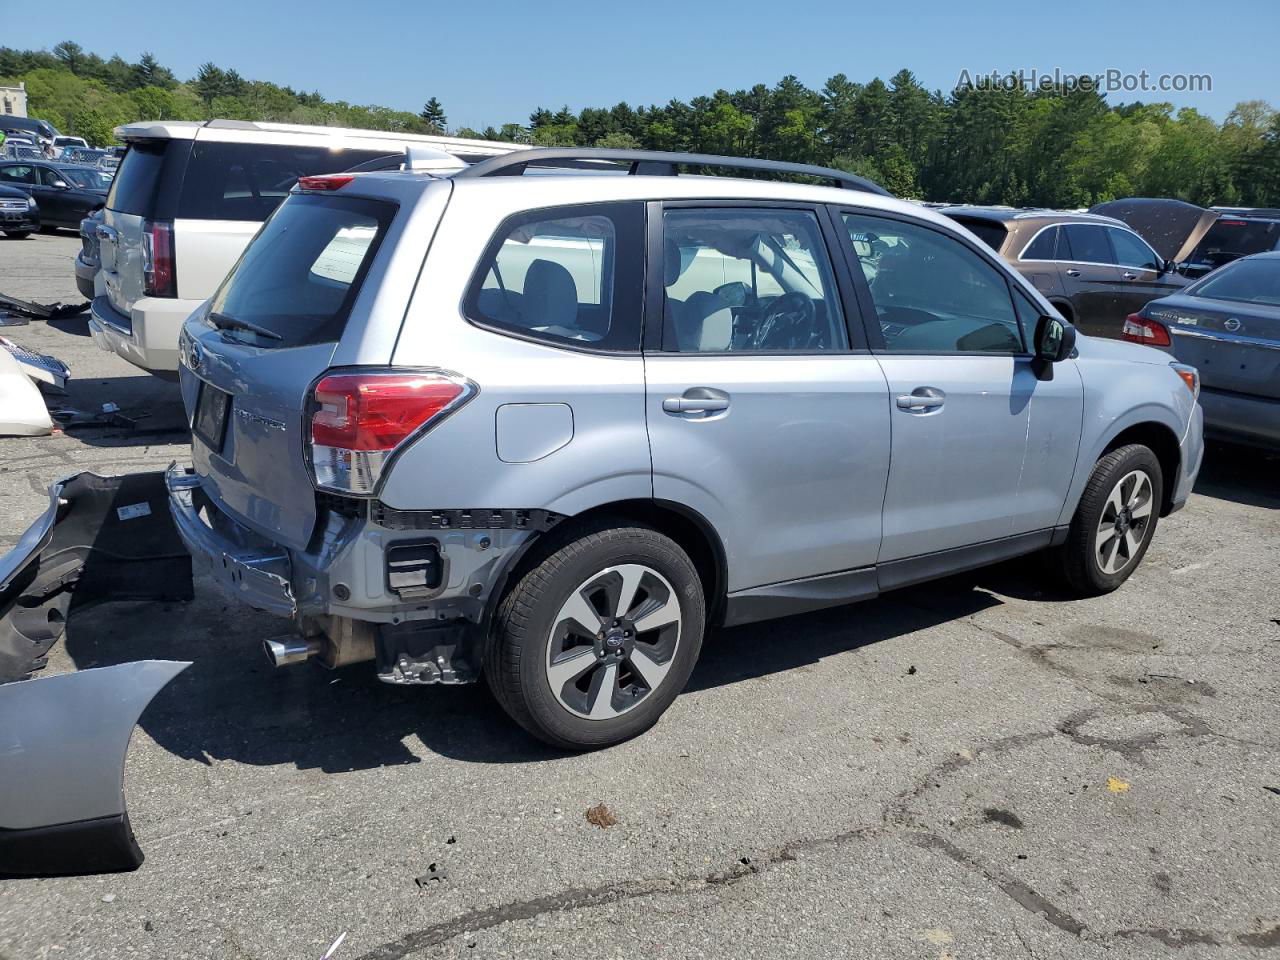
(656,163)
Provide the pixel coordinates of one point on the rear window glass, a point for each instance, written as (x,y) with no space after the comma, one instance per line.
(297,279)
(988,231)
(1246,281)
(148,170)
(246,181)
(1044,246)
(1229,239)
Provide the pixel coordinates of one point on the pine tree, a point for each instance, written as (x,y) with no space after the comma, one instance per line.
(433,116)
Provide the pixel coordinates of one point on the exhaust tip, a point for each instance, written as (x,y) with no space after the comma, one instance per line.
(283,651)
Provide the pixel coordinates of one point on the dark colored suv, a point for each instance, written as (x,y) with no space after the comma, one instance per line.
(1094,269)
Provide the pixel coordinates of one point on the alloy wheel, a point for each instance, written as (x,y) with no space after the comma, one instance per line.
(1122,528)
(613,642)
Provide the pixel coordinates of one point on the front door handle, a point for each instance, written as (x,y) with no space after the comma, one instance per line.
(922,399)
(1073,273)
(1129,276)
(697,400)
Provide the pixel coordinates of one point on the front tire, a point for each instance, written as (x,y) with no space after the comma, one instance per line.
(17,234)
(596,640)
(1114,522)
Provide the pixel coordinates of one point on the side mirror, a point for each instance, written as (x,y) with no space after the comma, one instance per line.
(1055,339)
(61,185)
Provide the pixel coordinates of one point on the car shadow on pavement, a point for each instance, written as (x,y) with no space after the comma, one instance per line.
(74,326)
(231,705)
(1240,474)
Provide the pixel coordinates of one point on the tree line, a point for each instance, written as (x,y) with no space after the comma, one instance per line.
(988,144)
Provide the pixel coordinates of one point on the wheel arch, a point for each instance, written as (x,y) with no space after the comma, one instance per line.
(693,532)
(1163,442)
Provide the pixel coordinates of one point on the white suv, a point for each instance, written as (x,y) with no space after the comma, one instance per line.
(187,199)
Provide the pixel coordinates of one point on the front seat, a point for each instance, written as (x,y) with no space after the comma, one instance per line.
(550,301)
(703,323)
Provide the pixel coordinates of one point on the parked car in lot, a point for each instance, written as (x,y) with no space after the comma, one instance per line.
(19,214)
(187,198)
(87,261)
(1196,239)
(1095,270)
(61,142)
(1227,325)
(549,429)
(65,192)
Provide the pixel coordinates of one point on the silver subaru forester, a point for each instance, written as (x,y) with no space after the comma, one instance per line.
(548,419)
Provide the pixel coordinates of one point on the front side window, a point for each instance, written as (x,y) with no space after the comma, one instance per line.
(1088,243)
(569,275)
(748,280)
(1044,246)
(1132,251)
(932,293)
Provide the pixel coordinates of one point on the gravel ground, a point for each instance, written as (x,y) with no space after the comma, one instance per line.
(973,768)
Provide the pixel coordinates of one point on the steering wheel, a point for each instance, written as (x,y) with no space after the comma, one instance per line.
(790,322)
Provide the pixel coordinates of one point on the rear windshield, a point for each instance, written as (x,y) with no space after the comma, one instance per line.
(1229,239)
(297,279)
(1246,281)
(148,179)
(246,181)
(988,231)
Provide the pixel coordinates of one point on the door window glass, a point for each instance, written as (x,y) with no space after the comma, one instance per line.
(1132,251)
(748,280)
(17,173)
(933,294)
(1089,243)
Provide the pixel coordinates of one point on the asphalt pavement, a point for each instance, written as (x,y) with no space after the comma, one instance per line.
(978,767)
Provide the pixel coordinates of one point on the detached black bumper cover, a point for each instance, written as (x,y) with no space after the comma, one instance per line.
(63,741)
(101,538)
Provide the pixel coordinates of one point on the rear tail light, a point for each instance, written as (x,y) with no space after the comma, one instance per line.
(358,421)
(157,259)
(1139,329)
(325,181)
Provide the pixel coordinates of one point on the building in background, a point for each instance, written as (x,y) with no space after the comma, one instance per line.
(13,100)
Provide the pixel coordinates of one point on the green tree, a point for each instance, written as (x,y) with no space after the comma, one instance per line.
(433,116)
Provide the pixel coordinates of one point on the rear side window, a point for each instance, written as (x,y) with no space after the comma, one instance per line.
(570,276)
(1044,246)
(17,173)
(297,279)
(148,179)
(246,181)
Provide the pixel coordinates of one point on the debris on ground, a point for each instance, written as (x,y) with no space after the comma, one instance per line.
(1005,818)
(8,319)
(1116,785)
(333,947)
(38,366)
(68,418)
(911,670)
(601,816)
(1275,790)
(41,311)
(435,874)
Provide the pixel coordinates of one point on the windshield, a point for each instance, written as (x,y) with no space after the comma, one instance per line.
(296,281)
(86,178)
(1245,281)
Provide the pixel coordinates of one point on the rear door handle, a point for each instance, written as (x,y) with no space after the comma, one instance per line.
(922,398)
(1073,273)
(697,400)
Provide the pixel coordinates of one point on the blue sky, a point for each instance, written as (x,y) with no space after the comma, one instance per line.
(494,61)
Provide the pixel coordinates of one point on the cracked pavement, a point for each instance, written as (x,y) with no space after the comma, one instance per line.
(1054,777)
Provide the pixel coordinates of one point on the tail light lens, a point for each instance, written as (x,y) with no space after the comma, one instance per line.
(325,181)
(157,259)
(1152,333)
(359,419)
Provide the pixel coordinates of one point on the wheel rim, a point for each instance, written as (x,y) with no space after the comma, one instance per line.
(613,642)
(1125,520)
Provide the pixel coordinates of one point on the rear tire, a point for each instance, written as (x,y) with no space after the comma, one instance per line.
(1114,522)
(17,234)
(596,640)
